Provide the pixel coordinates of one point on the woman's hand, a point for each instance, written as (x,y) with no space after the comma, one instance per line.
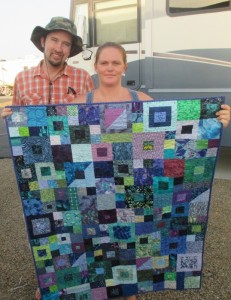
(223,115)
(6,112)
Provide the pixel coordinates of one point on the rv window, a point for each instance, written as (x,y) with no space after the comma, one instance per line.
(116,21)
(178,7)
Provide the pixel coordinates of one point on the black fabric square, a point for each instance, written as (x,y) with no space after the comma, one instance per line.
(24,187)
(163,185)
(186,129)
(37,231)
(79,134)
(59,166)
(178,180)
(114,291)
(51,111)
(173,245)
(91,191)
(180,210)
(36,149)
(104,169)
(62,205)
(107,216)
(144,240)
(101,152)
(131,245)
(88,244)
(148,218)
(38,131)
(123,168)
(79,174)
(69,297)
(119,180)
(97,284)
(61,153)
(55,253)
(158,277)
(148,163)
(19,160)
(58,125)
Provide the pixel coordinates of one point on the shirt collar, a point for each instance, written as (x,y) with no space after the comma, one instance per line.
(38,71)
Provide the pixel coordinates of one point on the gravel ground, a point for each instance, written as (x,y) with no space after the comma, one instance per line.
(17,275)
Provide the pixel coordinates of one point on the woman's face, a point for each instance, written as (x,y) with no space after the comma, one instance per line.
(110,66)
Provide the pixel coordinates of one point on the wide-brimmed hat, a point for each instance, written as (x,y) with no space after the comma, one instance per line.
(58,23)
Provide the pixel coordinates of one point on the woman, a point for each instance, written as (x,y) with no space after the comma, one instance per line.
(110,65)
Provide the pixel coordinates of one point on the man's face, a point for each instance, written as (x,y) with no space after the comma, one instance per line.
(57,47)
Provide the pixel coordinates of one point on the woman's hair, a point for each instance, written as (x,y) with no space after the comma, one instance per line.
(111,45)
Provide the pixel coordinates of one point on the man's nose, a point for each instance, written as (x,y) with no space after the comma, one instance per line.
(59,47)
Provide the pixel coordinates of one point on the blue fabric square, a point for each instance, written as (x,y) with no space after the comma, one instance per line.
(160,116)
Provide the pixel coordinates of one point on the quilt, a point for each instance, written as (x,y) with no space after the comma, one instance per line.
(116,196)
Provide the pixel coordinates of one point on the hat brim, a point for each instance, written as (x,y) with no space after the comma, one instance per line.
(39,31)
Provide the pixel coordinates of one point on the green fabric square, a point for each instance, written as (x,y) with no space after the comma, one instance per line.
(71,218)
(192,282)
(143,249)
(45,171)
(202,144)
(73,198)
(99,271)
(42,253)
(53,288)
(72,111)
(144,276)
(68,277)
(137,127)
(58,125)
(47,195)
(163,185)
(199,169)
(62,183)
(23,131)
(171,276)
(148,145)
(188,110)
(16,141)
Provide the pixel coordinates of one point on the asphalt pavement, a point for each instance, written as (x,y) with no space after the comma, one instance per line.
(4,144)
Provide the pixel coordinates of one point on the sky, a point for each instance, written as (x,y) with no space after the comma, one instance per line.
(18,19)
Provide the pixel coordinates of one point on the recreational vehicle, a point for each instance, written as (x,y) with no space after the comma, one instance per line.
(175,48)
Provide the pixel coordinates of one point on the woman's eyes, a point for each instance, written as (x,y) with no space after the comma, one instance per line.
(113,63)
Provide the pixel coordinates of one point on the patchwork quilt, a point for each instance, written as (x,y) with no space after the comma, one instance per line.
(116,195)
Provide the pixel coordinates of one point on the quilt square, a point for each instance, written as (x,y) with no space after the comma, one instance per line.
(116,196)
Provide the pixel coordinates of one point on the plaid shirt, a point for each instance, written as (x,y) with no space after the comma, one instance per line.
(33,87)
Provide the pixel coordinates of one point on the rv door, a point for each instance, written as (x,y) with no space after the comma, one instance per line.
(115,21)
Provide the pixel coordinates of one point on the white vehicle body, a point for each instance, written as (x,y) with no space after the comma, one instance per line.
(175,48)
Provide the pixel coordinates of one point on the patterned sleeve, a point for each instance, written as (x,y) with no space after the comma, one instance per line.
(16,99)
(89,85)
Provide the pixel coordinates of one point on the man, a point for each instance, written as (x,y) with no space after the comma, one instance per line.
(53,81)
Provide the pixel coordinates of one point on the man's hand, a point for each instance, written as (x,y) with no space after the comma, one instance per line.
(6,112)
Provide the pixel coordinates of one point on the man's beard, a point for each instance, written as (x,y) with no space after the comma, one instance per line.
(54,63)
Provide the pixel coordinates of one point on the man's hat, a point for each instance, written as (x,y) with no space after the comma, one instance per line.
(58,23)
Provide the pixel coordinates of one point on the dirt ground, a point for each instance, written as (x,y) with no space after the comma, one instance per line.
(17,275)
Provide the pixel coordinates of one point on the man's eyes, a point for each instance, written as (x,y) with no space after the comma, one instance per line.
(64,43)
